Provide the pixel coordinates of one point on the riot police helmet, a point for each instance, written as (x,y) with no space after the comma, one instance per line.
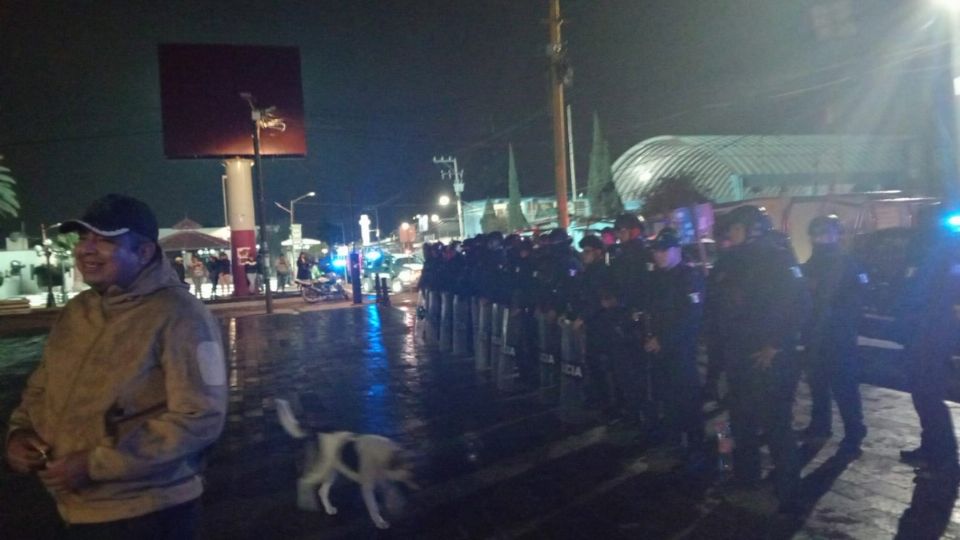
(822,225)
(754,219)
(559,236)
(494,240)
(629,221)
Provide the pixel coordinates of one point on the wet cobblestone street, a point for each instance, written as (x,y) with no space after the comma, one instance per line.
(490,464)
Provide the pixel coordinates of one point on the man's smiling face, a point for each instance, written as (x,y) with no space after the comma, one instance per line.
(106,261)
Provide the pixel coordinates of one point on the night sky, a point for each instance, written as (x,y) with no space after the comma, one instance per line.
(389,84)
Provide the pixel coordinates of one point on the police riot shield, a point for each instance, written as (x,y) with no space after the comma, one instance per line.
(496,335)
(548,347)
(574,406)
(434,315)
(446,322)
(481,356)
(461,326)
(506,369)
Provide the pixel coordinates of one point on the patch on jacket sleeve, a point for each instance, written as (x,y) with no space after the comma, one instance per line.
(864,278)
(796,271)
(211,364)
(694,297)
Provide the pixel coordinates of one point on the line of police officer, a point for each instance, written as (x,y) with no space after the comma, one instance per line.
(642,309)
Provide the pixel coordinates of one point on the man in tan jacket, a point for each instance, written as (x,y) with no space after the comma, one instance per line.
(130,390)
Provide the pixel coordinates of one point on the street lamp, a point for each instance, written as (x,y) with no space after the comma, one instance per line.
(455,173)
(290,210)
(47,246)
(444,200)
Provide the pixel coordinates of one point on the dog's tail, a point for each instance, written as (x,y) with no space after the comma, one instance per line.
(288,420)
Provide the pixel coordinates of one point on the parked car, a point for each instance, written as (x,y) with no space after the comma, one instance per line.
(405,273)
(402,271)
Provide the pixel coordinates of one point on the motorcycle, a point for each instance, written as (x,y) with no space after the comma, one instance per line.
(326,287)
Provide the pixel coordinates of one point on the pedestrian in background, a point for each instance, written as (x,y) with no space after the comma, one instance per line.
(180,269)
(250,270)
(282,267)
(303,266)
(198,274)
(220,276)
(130,391)
(836,282)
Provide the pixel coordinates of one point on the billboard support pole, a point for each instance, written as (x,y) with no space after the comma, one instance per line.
(264,231)
(262,118)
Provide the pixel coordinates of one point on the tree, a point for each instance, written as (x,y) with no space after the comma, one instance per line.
(490,222)
(670,193)
(9,206)
(601,192)
(515,217)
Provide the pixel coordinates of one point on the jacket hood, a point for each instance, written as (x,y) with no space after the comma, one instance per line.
(157,275)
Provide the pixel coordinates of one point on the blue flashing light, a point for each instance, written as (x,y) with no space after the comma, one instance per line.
(953,221)
(373,255)
(339,263)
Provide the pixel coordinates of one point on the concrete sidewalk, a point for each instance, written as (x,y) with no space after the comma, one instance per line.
(495,465)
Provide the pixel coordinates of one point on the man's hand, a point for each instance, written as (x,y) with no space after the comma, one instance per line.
(652,345)
(26,451)
(763,358)
(68,473)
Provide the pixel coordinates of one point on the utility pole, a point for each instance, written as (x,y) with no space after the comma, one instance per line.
(456,173)
(559,73)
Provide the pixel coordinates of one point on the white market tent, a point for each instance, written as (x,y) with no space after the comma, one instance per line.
(732,167)
(306,242)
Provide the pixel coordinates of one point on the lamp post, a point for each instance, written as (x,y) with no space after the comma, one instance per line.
(290,210)
(47,251)
(455,173)
(294,201)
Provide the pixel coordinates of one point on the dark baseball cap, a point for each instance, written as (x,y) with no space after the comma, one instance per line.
(114,215)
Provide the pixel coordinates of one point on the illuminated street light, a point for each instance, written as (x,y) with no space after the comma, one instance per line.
(444,200)
(294,245)
(452,171)
(290,210)
(435,218)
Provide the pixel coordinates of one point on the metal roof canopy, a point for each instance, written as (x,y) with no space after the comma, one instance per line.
(716,162)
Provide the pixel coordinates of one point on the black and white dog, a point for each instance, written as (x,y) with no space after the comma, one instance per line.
(378,463)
